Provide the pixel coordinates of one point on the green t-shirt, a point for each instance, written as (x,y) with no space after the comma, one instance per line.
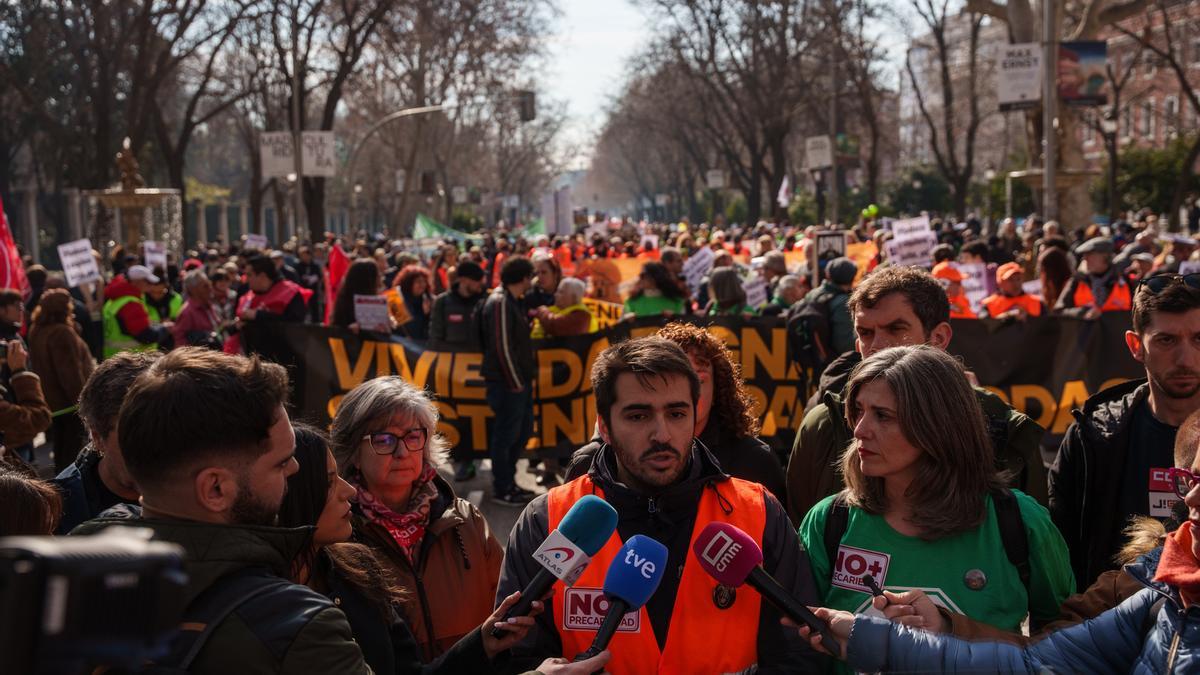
(942,568)
(653,305)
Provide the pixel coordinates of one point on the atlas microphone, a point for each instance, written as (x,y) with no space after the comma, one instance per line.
(731,557)
(632,578)
(567,551)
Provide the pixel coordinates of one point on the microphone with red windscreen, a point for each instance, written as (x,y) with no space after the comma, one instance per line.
(731,557)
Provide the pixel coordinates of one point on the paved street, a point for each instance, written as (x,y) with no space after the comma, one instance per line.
(477,490)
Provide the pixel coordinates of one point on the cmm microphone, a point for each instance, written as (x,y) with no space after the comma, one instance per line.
(567,551)
(632,578)
(731,557)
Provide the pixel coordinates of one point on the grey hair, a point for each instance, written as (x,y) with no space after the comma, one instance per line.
(574,288)
(789,281)
(193,279)
(380,399)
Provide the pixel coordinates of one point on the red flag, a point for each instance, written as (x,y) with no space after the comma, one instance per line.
(336,269)
(12,271)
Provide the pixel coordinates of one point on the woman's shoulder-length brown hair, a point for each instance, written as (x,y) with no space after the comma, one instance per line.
(939,413)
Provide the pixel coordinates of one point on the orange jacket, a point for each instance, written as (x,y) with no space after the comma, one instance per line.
(701,638)
(960,308)
(1119,298)
(997,304)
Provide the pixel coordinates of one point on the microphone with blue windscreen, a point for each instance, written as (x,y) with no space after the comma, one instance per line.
(567,551)
(632,578)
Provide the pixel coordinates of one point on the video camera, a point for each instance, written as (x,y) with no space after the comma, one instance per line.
(114,598)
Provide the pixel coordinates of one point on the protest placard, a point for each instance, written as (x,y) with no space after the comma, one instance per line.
(257,242)
(154,254)
(974,284)
(371,312)
(910,228)
(911,252)
(78,263)
(756,290)
(697,267)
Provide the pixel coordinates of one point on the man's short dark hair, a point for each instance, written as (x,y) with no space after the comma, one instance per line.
(923,293)
(976,247)
(195,406)
(516,270)
(1176,298)
(8,298)
(942,253)
(648,357)
(101,397)
(261,264)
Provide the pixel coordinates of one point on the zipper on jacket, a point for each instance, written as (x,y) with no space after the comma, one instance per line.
(651,505)
(1174,650)
(424,600)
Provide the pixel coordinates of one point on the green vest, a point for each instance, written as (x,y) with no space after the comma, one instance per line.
(175,306)
(115,340)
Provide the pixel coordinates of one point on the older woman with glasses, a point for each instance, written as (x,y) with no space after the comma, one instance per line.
(438,546)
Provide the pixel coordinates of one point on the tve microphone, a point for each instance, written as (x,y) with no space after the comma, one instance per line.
(731,557)
(632,578)
(567,551)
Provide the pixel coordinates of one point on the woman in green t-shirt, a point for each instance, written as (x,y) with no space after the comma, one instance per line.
(657,293)
(919,510)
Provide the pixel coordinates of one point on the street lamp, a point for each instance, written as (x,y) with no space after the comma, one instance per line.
(1108,124)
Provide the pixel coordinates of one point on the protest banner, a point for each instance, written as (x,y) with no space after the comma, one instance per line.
(915,252)
(1044,367)
(154,254)
(1019,78)
(607,314)
(77,262)
(697,267)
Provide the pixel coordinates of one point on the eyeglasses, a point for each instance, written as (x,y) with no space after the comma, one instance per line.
(1157,283)
(386,443)
(1183,480)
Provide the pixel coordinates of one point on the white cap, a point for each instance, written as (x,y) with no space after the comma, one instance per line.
(142,272)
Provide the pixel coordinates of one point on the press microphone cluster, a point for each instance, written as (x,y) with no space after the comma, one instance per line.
(632,578)
(730,556)
(567,551)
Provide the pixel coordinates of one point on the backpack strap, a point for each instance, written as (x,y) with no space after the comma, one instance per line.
(210,609)
(1012,533)
(1152,616)
(836,522)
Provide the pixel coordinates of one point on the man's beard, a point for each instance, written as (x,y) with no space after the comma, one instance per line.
(1176,391)
(647,477)
(248,509)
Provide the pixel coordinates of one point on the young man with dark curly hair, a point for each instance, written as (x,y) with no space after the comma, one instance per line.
(724,421)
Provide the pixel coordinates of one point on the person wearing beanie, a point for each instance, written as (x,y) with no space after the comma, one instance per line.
(834,292)
(1011,302)
(952,280)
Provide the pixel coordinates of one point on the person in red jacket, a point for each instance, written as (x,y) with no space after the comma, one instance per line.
(126,321)
(270,298)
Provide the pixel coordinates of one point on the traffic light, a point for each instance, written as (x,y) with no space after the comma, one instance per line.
(527,105)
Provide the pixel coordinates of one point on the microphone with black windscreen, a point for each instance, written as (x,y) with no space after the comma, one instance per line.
(567,551)
(730,556)
(632,578)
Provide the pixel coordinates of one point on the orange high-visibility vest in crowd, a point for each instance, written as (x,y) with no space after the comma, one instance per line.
(1119,298)
(998,304)
(960,308)
(702,637)
(565,262)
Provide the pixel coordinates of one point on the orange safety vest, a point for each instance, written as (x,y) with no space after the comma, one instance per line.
(1119,298)
(960,308)
(998,304)
(702,638)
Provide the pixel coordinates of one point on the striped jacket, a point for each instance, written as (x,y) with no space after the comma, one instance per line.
(507,348)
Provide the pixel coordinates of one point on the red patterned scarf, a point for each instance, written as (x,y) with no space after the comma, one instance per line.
(407,529)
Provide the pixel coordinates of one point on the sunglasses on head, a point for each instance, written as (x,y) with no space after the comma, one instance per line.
(1157,283)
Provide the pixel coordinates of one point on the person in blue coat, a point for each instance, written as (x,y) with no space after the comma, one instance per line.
(1155,631)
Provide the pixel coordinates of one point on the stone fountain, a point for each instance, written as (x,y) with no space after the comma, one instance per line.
(132,212)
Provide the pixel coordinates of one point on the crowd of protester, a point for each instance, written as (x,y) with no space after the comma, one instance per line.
(914,509)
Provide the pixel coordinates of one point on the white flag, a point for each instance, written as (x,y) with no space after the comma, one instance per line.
(785,192)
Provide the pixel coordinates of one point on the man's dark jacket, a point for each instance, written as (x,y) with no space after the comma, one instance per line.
(748,458)
(507,347)
(290,629)
(669,517)
(453,322)
(1086,478)
(73,483)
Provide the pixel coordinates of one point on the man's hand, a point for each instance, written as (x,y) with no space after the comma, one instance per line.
(565,667)
(911,608)
(515,628)
(249,313)
(1093,313)
(839,622)
(16,355)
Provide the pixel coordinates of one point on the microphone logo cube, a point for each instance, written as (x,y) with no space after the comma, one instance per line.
(565,560)
(721,549)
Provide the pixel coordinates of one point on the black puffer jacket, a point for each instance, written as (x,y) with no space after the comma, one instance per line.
(1085,479)
(668,517)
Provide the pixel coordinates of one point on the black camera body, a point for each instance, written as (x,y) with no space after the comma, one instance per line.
(114,598)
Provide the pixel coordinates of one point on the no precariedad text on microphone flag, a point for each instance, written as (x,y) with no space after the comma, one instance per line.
(12,272)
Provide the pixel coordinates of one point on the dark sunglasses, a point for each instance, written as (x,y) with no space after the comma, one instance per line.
(386,443)
(1183,480)
(1158,282)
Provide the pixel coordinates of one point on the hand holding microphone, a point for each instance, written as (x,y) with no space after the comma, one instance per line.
(731,557)
(567,551)
(632,578)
